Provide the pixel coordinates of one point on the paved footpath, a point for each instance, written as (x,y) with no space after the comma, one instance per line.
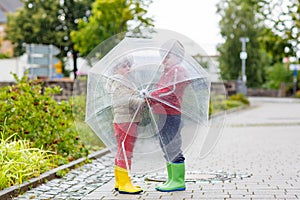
(262,142)
(258,156)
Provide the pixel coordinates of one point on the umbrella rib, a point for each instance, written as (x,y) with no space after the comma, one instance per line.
(192,79)
(183,112)
(159,66)
(173,88)
(123,142)
(157,130)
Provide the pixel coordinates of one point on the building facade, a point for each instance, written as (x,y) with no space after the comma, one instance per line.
(7,6)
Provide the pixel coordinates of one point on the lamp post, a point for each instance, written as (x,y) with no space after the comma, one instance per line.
(243,57)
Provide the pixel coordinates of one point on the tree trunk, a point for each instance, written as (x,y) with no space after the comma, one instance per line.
(75,69)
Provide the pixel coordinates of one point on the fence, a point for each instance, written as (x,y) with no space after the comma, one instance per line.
(69,87)
(79,86)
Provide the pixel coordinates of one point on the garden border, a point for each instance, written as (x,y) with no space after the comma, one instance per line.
(15,190)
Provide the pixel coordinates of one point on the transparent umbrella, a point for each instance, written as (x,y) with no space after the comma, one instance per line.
(132,89)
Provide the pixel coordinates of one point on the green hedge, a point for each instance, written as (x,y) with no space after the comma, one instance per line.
(29,112)
(220,104)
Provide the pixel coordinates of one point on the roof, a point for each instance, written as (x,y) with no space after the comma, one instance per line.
(7,6)
(2,17)
(10,5)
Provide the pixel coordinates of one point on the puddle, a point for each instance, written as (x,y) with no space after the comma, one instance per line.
(198,176)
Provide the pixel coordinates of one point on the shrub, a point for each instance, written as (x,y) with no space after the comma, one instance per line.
(78,105)
(20,162)
(89,138)
(239,97)
(216,104)
(32,114)
(297,94)
(219,103)
(229,104)
(4,55)
(276,75)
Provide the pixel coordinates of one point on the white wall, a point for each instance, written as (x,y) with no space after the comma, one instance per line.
(14,65)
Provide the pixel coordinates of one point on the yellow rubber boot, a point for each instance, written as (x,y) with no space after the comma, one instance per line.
(124,183)
(117,179)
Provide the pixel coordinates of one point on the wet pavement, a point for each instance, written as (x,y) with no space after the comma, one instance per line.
(257,157)
(76,184)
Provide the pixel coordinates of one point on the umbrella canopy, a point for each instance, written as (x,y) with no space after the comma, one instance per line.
(131,85)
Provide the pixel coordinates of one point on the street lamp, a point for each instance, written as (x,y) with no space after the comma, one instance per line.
(243,57)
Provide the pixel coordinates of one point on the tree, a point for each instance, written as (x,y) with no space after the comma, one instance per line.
(47,22)
(239,20)
(107,19)
(292,31)
(274,45)
(278,74)
(283,19)
(35,23)
(71,11)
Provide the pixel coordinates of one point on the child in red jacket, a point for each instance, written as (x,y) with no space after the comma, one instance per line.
(166,102)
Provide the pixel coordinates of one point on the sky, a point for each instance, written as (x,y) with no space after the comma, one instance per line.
(196,19)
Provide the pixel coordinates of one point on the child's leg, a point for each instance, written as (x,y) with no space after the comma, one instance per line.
(171,142)
(170,137)
(125,133)
(123,182)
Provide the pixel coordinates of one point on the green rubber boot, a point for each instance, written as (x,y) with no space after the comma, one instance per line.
(177,181)
(169,170)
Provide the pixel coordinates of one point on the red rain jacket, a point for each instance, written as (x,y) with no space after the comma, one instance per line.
(167,97)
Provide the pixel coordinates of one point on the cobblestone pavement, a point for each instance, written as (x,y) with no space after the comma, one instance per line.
(258,151)
(76,184)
